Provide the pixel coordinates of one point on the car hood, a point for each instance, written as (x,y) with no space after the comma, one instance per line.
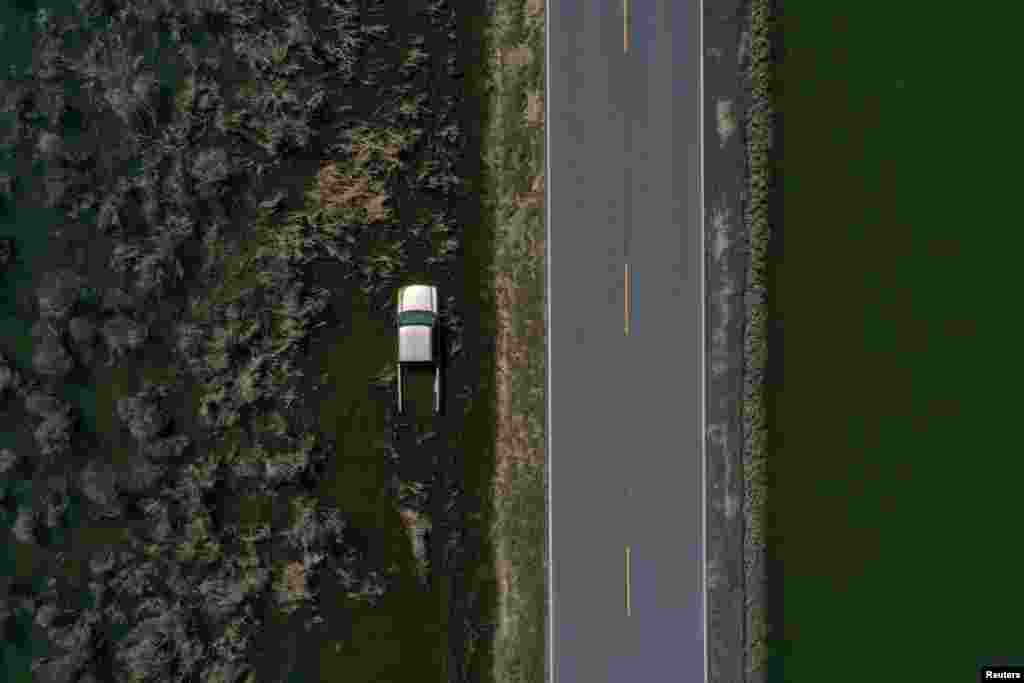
(418,298)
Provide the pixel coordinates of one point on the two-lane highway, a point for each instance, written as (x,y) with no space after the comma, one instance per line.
(625,397)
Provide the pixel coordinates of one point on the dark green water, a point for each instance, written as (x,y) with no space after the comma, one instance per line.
(896,490)
(30,225)
(30,228)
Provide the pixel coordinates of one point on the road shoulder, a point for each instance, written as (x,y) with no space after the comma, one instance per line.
(739,208)
(514,155)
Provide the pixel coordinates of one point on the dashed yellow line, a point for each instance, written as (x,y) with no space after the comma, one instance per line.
(625,25)
(629,607)
(626,302)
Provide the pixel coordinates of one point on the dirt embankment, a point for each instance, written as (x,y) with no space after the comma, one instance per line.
(514,149)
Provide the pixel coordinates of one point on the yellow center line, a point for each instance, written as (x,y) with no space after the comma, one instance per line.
(625,25)
(629,609)
(626,301)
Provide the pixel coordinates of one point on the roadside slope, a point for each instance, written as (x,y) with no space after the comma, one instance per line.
(514,155)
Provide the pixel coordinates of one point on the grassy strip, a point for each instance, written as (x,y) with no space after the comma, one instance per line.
(514,155)
(759,134)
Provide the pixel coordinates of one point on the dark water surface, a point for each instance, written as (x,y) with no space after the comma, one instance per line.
(897,487)
(420,630)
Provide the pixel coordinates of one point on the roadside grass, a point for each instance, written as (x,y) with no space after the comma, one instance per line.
(514,155)
(756,401)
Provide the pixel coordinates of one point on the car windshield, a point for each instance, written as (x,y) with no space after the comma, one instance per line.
(415,318)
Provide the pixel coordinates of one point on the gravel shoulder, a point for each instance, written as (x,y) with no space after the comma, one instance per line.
(741,223)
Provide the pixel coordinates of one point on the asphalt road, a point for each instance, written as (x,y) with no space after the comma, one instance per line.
(626,414)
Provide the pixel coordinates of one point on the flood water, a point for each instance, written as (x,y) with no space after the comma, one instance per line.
(30,228)
(426,624)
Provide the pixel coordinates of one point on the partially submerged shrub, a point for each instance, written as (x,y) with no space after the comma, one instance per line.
(287,463)
(97,481)
(44,404)
(414,58)
(140,475)
(342,194)
(210,398)
(53,435)
(122,334)
(302,520)
(82,330)
(211,166)
(290,586)
(8,462)
(198,542)
(144,417)
(185,96)
(248,383)
(6,250)
(418,527)
(51,358)
(169,448)
(271,423)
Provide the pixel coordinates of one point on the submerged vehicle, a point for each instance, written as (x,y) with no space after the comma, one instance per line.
(418,336)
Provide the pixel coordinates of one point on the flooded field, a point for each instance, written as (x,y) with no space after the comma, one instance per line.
(208,208)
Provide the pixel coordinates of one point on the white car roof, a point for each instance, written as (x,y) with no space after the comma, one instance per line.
(414,344)
(417,298)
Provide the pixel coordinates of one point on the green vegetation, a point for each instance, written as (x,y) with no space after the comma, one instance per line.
(269,188)
(185,96)
(759,136)
(270,423)
(198,543)
(514,154)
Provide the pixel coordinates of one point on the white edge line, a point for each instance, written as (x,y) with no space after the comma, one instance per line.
(547,313)
(703,365)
